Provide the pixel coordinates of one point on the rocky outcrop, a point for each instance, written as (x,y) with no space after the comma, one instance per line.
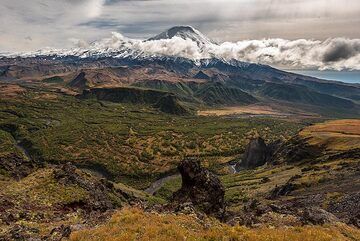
(201,188)
(318,216)
(102,194)
(282,190)
(80,82)
(201,75)
(16,166)
(257,153)
(347,208)
(294,150)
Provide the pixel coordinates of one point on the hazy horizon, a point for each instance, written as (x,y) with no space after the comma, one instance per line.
(352,77)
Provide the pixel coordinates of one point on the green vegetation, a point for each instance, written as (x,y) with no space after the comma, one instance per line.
(54,80)
(301,94)
(119,149)
(129,143)
(169,187)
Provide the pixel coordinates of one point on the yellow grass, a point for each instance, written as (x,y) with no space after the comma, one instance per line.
(11,91)
(335,135)
(240,110)
(135,224)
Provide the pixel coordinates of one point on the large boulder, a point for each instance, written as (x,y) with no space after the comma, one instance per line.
(201,188)
(257,153)
(318,216)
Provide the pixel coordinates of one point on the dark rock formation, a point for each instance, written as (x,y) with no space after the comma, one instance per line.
(201,75)
(102,193)
(347,208)
(124,95)
(282,190)
(20,233)
(294,150)
(355,220)
(60,233)
(80,81)
(257,153)
(318,216)
(16,166)
(200,187)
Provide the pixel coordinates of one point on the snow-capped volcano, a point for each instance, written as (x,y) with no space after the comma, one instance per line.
(180,41)
(188,43)
(184,32)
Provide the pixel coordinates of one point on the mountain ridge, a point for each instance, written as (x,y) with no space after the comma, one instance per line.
(129,63)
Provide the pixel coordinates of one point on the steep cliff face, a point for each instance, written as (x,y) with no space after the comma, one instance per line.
(201,188)
(257,153)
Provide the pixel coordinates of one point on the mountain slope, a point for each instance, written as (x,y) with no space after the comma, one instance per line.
(301,94)
(184,32)
(157,63)
(220,94)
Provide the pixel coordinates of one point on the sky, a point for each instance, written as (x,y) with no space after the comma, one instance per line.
(28,25)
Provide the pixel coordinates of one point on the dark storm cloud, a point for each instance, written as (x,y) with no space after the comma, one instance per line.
(341,50)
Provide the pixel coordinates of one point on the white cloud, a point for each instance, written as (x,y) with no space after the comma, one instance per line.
(334,53)
(30,25)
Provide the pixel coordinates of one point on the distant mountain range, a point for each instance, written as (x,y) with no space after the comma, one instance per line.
(210,81)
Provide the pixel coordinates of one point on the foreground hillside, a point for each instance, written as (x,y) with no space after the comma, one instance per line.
(314,180)
(84,167)
(135,224)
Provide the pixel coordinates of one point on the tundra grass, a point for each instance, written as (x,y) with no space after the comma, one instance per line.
(135,224)
(133,144)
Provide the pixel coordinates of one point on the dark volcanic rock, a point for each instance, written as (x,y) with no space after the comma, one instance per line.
(355,220)
(257,153)
(20,233)
(318,216)
(201,75)
(79,82)
(124,95)
(60,233)
(102,194)
(347,208)
(283,190)
(16,166)
(295,150)
(200,187)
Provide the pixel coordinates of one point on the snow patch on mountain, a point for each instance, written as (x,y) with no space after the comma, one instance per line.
(187,42)
(184,32)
